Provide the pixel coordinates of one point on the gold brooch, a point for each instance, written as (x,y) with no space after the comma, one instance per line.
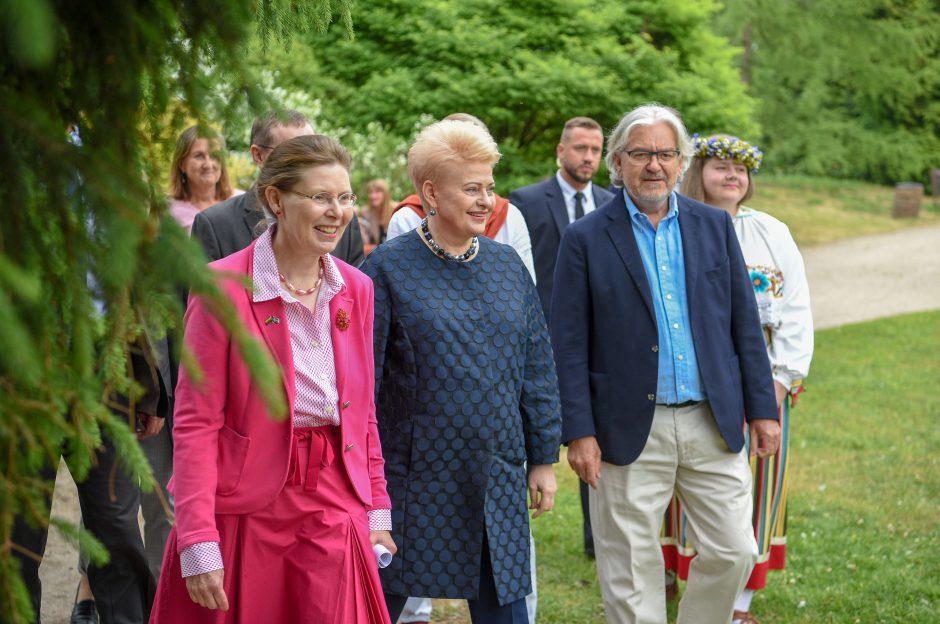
(342,319)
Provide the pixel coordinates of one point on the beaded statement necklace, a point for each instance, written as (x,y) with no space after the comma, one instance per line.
(303,291)
(464,257)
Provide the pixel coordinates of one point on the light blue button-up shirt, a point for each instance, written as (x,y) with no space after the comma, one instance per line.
(661,251)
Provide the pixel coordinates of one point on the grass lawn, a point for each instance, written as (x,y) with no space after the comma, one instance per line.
(820,210)
(864,534)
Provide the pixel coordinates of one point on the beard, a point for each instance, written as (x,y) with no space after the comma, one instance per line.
(650,198)
(575,175)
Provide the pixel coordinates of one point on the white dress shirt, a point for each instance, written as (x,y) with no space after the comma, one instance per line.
(569,192)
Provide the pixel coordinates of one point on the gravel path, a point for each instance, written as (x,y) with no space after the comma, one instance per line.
(850,281)
(860,279)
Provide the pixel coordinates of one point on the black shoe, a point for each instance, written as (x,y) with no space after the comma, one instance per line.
(84,612)
(589,551)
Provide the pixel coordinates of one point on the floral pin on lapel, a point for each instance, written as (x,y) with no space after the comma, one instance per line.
(342,319)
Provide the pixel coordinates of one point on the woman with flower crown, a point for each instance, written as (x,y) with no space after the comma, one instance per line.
(278,513)
(466,391)
(721,175)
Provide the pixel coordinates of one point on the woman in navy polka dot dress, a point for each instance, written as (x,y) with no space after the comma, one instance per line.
(467,396)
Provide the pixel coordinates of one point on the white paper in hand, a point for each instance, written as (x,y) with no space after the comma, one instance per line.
(382,555)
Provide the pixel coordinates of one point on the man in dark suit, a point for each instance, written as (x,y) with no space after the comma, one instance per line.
(549,206)
(661,362)
(233,224)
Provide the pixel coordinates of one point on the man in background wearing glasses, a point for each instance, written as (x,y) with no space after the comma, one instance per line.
(231,225)
(660,363)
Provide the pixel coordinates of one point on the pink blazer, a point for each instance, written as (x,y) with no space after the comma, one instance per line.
(230,455)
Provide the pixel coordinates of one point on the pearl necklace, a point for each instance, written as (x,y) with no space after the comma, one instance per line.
(474,243)
(303,291)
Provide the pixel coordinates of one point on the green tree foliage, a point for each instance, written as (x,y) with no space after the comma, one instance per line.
(94,213)
(524,68)
(846,88)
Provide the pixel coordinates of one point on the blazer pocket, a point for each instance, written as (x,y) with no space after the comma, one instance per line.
(233,451)
(720,272)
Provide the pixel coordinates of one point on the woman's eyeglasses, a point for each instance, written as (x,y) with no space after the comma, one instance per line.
(325,200)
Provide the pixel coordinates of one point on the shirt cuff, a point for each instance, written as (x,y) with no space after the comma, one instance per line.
(787,379)
(380,519)
(200,558)
(785,376)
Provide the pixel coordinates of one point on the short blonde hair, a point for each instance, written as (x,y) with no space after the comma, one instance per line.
(446,143)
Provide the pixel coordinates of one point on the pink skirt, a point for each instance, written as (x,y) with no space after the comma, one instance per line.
(305,558)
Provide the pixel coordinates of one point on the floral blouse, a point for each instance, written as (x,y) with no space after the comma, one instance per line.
(779,280)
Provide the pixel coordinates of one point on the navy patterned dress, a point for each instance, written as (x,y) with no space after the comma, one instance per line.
(466,393)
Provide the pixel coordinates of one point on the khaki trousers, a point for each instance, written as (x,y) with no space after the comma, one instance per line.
(686,453)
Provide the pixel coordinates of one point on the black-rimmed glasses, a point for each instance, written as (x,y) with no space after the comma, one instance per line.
(643,157)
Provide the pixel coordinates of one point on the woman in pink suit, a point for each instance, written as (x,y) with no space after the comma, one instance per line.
(276,518)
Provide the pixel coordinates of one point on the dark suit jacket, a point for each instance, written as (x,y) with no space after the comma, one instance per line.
(605,339)
(149,364)
(231,225)
(546,216)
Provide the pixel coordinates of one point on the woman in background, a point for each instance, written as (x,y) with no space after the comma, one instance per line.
(721,175)
(198,176)
(375,215)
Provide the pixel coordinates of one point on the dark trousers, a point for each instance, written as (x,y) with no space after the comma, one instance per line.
(485,609)
(109,499)
(586,516)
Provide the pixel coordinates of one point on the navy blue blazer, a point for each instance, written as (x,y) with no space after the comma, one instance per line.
(546,217)
(604,329)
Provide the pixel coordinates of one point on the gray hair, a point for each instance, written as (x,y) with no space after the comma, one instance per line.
(646,115)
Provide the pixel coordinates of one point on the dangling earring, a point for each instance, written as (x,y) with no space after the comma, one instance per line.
(432,212)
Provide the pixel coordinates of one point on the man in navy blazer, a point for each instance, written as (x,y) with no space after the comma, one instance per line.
(661,364)
(549,206)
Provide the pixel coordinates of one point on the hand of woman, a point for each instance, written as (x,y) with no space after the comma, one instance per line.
(385,539)
(206,590)
(542,488)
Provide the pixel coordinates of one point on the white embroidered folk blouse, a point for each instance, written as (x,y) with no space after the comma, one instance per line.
(316,396)
(779,279)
